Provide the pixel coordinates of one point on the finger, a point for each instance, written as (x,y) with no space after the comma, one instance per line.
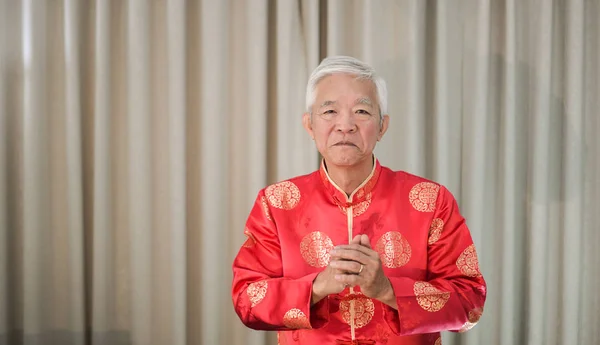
(351,255)
(349,279)
(356,240)
(351,267)
(356,247)
(364,241)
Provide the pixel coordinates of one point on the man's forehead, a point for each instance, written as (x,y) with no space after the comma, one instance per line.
(360,100)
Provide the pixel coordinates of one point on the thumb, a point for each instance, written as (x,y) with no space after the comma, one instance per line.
(364,240)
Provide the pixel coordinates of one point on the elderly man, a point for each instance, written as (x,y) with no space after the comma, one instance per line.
(355,253)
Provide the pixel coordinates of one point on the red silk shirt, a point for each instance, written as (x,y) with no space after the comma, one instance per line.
(424,245)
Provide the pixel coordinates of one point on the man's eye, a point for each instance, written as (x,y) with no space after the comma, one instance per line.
(329,112)
(362,111)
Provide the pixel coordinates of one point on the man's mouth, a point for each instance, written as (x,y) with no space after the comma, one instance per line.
(345,143)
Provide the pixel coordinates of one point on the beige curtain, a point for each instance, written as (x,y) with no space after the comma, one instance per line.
(134,136)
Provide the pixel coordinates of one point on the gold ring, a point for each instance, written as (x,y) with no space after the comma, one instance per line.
(361,268)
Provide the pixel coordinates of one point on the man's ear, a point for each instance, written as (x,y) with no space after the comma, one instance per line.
(307,123)
(385,122)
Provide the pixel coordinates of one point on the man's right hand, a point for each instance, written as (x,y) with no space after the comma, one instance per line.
(325,283)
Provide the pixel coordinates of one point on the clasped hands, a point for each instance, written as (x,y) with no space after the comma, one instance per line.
(354,264)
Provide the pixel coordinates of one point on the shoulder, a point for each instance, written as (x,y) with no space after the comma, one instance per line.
(286,194)
(423,193)
(296,182)
(409,179)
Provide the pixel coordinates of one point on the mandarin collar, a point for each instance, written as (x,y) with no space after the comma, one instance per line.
(361,193)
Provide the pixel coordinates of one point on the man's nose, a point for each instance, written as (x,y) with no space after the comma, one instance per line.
(346,122)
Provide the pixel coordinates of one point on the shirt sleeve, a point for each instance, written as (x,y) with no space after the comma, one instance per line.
(453,295)
(263,298)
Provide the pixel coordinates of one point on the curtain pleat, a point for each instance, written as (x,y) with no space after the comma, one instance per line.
(99,173)
(4,290)
(573,172)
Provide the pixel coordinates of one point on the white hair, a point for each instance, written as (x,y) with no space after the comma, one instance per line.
(346,65)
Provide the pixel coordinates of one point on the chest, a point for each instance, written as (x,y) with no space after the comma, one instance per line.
(395,231)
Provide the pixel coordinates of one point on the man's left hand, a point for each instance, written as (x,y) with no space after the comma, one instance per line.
(363,268)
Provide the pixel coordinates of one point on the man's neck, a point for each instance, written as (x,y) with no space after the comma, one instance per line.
(349,178)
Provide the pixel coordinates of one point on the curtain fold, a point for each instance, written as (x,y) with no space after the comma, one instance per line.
(135,135)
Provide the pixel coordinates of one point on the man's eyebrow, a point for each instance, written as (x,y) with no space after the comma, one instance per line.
(327,103)
(364,100)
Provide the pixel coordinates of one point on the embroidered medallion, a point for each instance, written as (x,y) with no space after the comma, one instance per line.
(295,319)
(265,207)
(429,297)
(364,309)
(423,196)
(467,262)
(394,250)
(315,248)
(283,195)
(256,292)
(435,230)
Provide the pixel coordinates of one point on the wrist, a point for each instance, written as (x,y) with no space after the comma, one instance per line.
(317,291)
(387,295)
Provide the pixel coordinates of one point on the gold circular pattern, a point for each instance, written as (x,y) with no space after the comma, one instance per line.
(438,341)
(423,196)
(265,207)
(429,297)
(394,250)
(467,262)
(250,241)
(283,195)
(474,316)
(315,248)
(295,319)
(435,230)
(361,207)
(256,292)
(364,309)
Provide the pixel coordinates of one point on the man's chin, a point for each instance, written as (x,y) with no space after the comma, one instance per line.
(343,161)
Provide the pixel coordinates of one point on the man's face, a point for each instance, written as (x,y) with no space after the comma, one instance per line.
(345,122)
